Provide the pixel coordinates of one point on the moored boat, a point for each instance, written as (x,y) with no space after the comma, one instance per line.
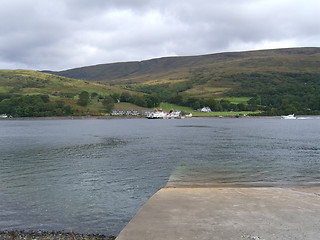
(291,116)
(174,115)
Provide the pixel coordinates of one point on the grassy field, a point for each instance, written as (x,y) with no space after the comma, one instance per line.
(127,106)
(237,100)
(167,107)
(217,114)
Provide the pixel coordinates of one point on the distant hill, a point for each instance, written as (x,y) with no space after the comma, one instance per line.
(291,59)
(213,75)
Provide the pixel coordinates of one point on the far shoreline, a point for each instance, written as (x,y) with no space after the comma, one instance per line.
(89,117)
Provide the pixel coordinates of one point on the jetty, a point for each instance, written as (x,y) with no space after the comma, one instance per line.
(227,213)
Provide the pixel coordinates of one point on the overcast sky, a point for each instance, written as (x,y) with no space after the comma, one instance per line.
(63,34)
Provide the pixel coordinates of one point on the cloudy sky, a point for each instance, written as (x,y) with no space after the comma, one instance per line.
(63,34)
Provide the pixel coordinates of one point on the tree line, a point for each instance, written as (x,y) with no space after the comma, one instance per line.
(281,93)
(147,101)
(270,93)
(215,105)
(33,106)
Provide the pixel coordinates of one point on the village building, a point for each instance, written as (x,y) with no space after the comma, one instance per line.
(204,109)
(127,113)
(146,112)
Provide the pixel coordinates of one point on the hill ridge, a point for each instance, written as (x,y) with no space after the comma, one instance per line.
(132,69)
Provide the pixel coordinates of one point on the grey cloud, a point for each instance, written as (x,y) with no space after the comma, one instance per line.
(60,34)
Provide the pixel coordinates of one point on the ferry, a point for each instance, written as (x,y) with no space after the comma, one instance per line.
(160,114)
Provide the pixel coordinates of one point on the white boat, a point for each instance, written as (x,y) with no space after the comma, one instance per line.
(174,115)
(160,114)
(291,116)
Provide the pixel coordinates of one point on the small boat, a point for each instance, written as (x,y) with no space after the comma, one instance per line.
(188,115)
(291,116)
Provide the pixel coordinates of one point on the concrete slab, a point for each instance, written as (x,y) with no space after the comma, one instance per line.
(227,213)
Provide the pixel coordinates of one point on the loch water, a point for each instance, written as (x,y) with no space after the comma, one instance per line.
(92,176)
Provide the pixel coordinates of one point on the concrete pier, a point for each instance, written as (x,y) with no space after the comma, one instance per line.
(227,213)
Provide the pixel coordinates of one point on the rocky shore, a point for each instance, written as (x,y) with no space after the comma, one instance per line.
(20,235)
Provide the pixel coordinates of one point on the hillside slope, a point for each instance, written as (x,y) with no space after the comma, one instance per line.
(207,76)
(291,59)
(33,82)
(26,93)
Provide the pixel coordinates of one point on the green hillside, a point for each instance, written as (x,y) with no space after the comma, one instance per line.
(214,75)
(269,82)
(281,60)
(31,94)
(33,82)
(276,81)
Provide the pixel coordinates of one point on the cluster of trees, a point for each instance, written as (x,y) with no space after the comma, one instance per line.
(215,105)
(271,93)
(108,102)
(147,101)
(281,93)
(286,104)
(85,98)
(33,106)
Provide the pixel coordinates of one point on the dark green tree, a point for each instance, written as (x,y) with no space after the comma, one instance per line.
(108,104)
(196,105)
(116,97)
(213,104)
(152,101)
(177,99)
(125,97)
(138,100)
(83,99)
(225,104)
(94,95)
(242,107)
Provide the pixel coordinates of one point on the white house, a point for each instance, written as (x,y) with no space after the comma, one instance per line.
(205,109)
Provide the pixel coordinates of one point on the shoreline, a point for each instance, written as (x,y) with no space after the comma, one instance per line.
(67,118)
(131,117)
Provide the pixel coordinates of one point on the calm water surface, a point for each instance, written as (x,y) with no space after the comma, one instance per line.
(92,176)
